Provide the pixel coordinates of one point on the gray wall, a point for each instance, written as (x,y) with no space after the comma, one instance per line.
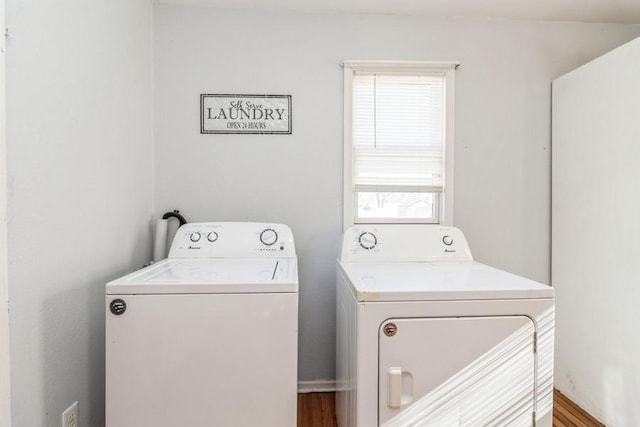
(502,147)
(79,141)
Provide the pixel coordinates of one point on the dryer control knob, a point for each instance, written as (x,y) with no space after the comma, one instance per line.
(195,236)
(212,237)
(447,240)
(368,240)
(268,236)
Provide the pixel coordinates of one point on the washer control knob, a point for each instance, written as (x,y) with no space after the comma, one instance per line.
(195,236)
(447,240)
(212,237)
(268,236)
(368,240)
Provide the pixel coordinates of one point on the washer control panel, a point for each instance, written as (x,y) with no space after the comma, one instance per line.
(233,240)
(404,243)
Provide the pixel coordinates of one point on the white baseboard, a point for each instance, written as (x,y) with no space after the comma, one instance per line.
(318,386)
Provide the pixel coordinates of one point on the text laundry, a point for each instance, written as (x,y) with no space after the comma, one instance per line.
(248,114)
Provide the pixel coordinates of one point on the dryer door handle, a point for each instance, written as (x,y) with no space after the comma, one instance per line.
(394,384)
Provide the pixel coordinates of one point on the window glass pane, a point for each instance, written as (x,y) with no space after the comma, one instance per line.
(397,145)
(422,206)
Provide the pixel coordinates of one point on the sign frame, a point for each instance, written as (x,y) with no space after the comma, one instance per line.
(243,97)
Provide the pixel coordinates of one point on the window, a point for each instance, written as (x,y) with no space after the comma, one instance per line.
(398,162)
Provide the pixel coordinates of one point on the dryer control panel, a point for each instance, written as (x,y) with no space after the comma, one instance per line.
(233,240)
(404,243)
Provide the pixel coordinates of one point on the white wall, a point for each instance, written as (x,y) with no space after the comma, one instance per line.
(596,235)
(502,148)
(80,192)
(5,369)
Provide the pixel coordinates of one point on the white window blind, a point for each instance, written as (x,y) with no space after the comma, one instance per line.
(398,133)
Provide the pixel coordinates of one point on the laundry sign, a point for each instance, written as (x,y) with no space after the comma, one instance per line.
(251,114)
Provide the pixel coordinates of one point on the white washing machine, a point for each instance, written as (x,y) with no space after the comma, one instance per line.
(209,336)
(428,337)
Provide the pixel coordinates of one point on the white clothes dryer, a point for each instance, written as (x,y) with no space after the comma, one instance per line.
(428,337)
(208,336)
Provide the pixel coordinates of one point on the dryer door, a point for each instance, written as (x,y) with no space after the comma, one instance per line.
(458,371)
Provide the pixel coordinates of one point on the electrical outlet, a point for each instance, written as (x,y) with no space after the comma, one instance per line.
(70,416)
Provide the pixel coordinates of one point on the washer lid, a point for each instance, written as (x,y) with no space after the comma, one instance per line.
(444,281)
(210,276)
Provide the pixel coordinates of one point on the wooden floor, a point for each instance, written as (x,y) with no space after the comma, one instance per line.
(317,410)
(568,414)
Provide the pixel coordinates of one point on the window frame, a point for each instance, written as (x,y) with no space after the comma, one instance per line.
(444,199)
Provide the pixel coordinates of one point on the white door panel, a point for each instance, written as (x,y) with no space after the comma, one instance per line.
(202,360)
(467,371)
(595,234)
